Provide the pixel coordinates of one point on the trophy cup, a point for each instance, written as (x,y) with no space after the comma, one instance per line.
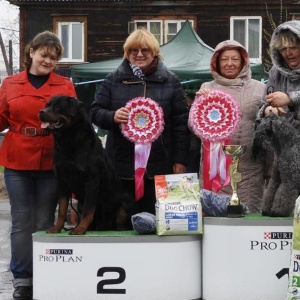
(234,208)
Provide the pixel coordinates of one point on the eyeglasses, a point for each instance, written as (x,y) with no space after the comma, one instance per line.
(144,51)
(284,50)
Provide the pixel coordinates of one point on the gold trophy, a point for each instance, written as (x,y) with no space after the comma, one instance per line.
(234,208)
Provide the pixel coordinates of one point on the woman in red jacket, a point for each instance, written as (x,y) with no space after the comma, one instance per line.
(27,151)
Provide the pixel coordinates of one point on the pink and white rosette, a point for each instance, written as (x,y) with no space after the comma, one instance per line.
(144,126)
(214,117)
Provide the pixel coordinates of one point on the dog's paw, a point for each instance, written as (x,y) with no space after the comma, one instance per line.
(53,230)
(80,230)
(278,213)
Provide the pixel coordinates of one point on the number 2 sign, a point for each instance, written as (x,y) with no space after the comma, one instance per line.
(102,283)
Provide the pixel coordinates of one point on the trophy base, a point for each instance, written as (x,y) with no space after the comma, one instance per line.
(235,211)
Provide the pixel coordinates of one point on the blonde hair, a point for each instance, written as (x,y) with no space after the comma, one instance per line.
(141,38)
(283,39)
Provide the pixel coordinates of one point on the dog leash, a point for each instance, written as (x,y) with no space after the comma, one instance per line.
(77,215)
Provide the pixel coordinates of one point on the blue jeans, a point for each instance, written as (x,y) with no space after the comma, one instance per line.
(33,200)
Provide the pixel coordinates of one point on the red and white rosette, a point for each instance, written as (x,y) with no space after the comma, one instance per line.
(144,126)
(214,117)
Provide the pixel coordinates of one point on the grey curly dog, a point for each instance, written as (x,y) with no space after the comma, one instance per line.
(278,138)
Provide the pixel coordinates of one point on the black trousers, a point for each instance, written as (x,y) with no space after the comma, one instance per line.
(147,202)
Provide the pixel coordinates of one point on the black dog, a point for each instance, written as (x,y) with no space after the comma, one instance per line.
(278,138)
(83,168)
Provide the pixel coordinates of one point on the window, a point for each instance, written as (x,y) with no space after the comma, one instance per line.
(154,27)
(172,27)
(72,33)
(163,29)
(248,32)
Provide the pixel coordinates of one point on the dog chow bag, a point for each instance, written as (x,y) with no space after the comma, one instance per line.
(294,270)
(178,206)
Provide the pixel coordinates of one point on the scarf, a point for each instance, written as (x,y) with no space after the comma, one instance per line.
(147,71)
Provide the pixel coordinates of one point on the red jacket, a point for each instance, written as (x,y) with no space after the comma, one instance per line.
(20,104)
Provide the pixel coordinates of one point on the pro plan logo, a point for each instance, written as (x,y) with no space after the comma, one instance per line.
(59,255)
(273,241)
(278,235)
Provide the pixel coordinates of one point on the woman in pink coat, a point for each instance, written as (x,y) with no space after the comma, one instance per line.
(27,150)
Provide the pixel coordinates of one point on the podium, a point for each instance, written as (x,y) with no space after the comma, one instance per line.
(235,259)
(116,265)
(246,258)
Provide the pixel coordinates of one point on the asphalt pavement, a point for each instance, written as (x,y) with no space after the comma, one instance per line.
(6,287)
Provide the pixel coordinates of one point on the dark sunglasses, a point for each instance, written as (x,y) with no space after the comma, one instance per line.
(144,51)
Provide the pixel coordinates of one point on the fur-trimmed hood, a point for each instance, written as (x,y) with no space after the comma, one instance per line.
(276,57)
(245,73)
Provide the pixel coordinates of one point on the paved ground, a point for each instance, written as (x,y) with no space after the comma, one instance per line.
(6,288)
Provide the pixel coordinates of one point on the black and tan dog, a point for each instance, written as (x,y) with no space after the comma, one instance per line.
(83,168)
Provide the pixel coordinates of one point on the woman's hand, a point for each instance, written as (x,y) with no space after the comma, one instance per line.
(203,91)
(121,115)
(278,99)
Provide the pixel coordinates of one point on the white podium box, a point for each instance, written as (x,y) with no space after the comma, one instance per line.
(246,258)
(116,265)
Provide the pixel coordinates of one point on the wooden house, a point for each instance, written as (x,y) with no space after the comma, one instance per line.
(95,30)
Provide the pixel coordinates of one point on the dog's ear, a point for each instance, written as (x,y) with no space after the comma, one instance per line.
(75,106)
(257,122)
(263,132)
(291,118)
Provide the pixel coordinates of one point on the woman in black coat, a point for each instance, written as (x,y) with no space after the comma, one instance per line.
(143,74)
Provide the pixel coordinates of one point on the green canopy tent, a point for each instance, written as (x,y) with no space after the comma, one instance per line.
(186,55)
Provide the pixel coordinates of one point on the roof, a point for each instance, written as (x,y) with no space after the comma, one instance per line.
(186,55)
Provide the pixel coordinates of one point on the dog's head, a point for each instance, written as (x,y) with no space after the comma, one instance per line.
(61,111)
(274,130)
(263,134)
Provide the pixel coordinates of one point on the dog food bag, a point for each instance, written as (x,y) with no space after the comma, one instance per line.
(294,271)
(178,206)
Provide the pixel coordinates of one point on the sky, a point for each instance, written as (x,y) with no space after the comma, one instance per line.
(8,13)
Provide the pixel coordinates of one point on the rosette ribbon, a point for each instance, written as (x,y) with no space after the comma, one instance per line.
(215,166)
(141,155)
(144,126)
(214,117)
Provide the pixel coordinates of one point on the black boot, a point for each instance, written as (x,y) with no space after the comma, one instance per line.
(23,293)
